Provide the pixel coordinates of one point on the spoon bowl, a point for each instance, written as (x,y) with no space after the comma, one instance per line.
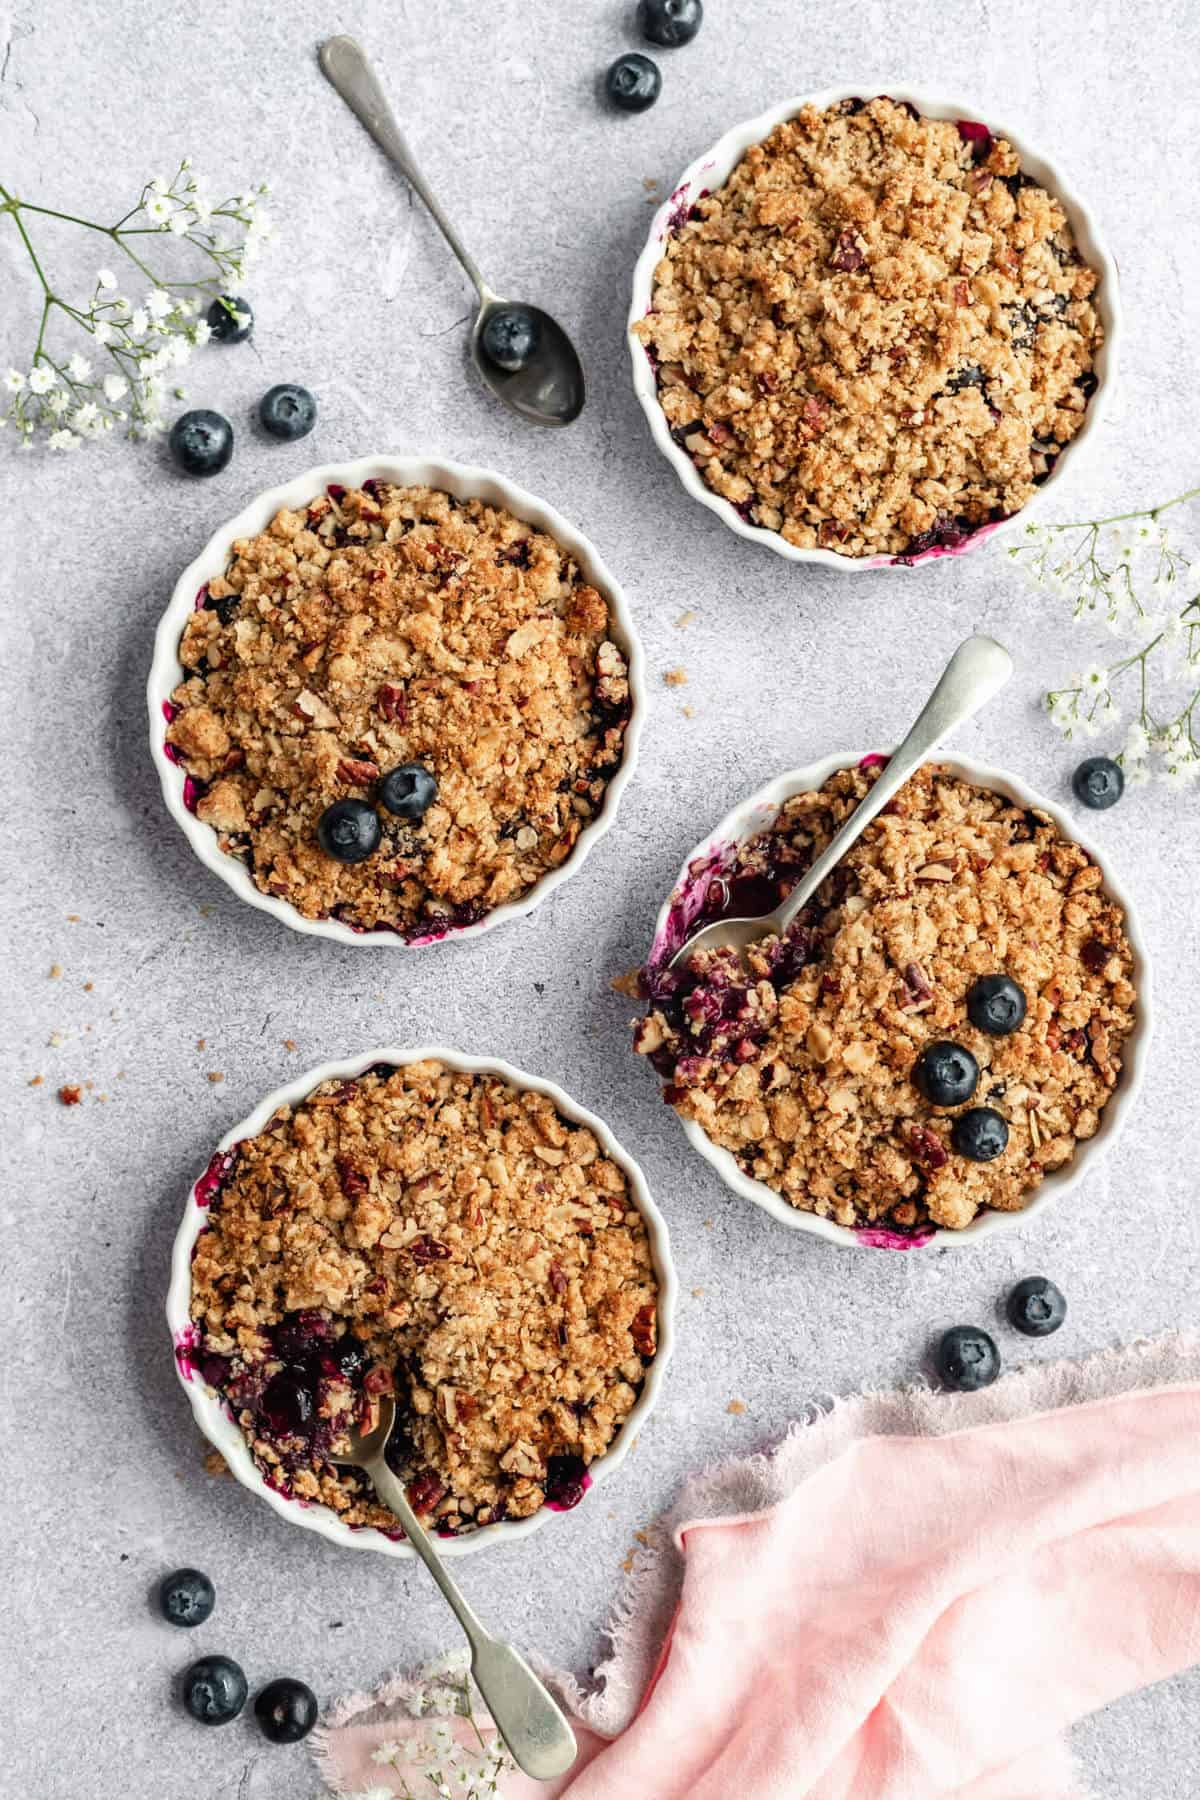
(547,389)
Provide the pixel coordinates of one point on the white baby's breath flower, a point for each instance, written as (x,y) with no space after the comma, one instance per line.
(41,379)
(63,440)
(201,331)
(180,222)
(454,1664)
(177,351)
(1137,744)
(375,1793)
(158,303)
(139,322)
(58,401)
(1094,679)
(386,1755)
(86,419)
(105,279)
(14,381)
(78,367)
(158,184)
(103,332)
(158,209)
(115,387)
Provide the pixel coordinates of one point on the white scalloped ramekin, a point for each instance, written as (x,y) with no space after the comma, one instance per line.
(752,816)
(711,170)
(220,1428)
(464,482)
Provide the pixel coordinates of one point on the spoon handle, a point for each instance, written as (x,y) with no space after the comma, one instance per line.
(527,1718)
(344,63)
(978,669)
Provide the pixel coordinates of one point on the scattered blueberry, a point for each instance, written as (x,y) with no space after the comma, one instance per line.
(287,411)
(214,1690)
(408,791)
(510,337)
(633,82)
(230,319)
(1098,783)
(1036,1306)
(286,1710)
(349,831)
(946,1074)
(202,442)
(996,1004)
(670,22)
(979,1134)
(967,1358)
(287,1404)
(186,1597)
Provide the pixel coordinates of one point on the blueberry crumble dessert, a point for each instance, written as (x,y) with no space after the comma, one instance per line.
(941,1026)
(878,335)
(443,1237)
(399,709)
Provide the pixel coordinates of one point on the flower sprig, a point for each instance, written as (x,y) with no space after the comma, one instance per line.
(1129,573)
(437,1761)
(72,397)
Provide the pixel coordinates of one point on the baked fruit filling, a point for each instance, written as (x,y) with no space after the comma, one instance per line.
(941,1026)
(400,710)
(878,335)
(443,1237)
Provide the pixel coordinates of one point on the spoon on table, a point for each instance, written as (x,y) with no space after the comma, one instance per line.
(537,1735)
(524,355)
(978,669)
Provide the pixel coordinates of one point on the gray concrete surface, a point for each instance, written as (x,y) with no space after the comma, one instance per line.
(103,1487)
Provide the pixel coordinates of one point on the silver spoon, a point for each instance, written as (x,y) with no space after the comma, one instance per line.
(545,382)
(978,669)
(537,1735)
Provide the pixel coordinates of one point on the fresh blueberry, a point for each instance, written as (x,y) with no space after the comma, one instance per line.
(349,831)
(1036,1307)
(510,337)
(408,791)
(202,442)
(996,1005)
(286,1710)
(979,1134)
(287,411)
(670,22)
(633,82)
(186,1597)
(214,1690)
(1098,783)
(230,319)
(287,1405)
(967,1358)
(946,1074)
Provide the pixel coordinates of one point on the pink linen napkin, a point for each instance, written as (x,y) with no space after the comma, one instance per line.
(913,1597)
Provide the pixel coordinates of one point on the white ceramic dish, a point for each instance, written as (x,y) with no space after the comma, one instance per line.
(711,170)
(464,482)
(756,813)
(221,1430)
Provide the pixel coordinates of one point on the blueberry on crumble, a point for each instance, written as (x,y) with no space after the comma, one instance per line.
(349,831)
(408,791)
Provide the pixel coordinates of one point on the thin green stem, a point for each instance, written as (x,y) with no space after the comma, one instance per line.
(1145,512)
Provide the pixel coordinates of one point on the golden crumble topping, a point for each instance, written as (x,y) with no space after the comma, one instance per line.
(878,335)
(804,1068)
(443,1236)
(386,626)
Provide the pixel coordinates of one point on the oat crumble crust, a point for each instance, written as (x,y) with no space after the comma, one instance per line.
(482,1256)
(877,335)
(385,625)
(805,1072)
